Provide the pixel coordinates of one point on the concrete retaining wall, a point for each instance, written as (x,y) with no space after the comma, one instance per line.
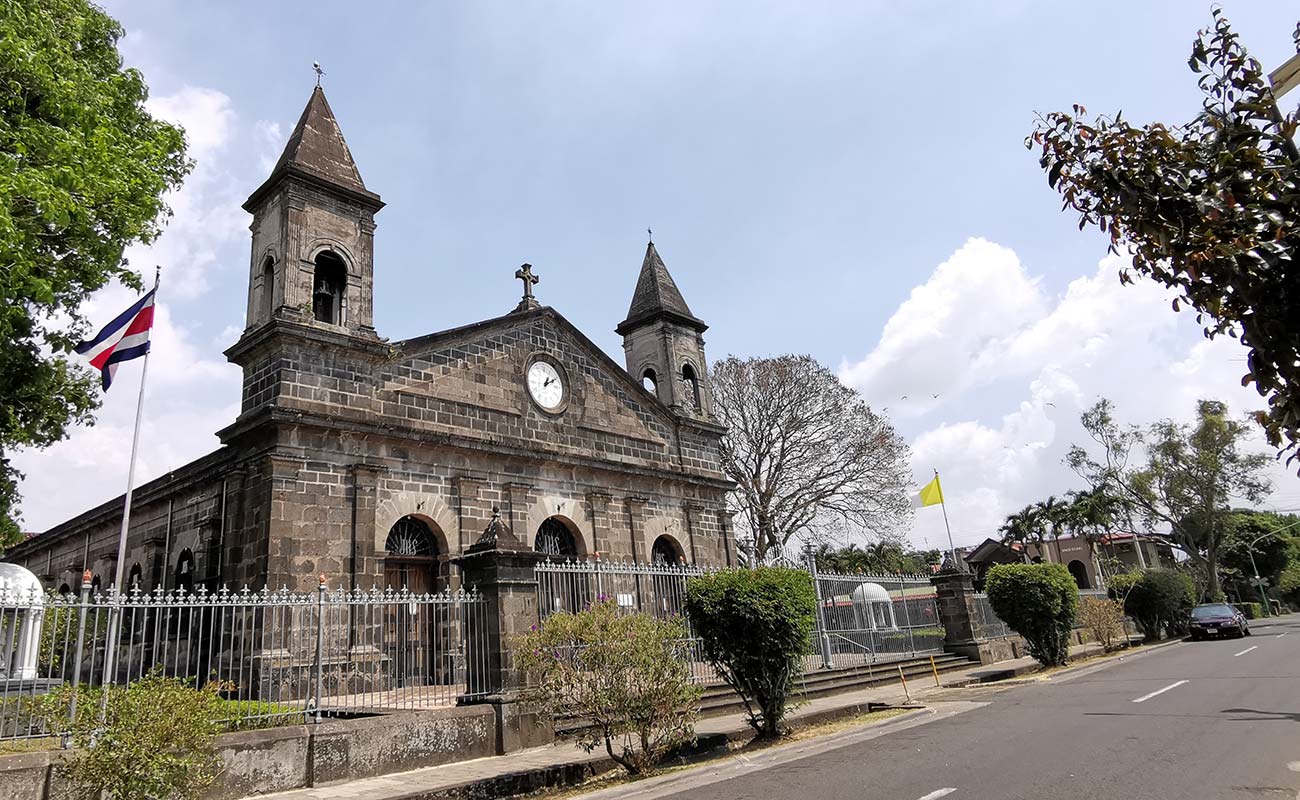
(295,756)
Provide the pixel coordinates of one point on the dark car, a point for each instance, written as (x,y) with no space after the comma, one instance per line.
(1218,619)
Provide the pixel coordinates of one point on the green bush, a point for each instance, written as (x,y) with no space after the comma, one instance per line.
(1157,599)
(1251,610)
(629,675)
(156,740)
(1039,602)
(755,627)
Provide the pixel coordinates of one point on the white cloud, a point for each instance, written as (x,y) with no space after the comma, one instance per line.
(1013,368)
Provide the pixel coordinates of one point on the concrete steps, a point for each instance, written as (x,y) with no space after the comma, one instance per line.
(720,699)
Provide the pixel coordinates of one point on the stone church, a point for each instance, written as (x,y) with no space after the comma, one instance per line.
(373,462)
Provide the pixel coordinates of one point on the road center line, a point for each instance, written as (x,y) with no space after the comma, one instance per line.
(1247,650)
(1146,697)
(937,793)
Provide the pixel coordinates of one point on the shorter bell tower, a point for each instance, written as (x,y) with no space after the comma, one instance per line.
(313,233)
(663,342)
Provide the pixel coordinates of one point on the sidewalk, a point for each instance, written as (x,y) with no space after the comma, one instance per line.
(563,763)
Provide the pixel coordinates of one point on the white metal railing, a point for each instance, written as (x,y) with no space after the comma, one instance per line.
(274,655)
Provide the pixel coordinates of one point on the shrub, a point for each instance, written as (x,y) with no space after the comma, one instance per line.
(629,675)
(755,627)
(1037,601)
(1251,610)
(1157,599)
(1104,619)
(156,740)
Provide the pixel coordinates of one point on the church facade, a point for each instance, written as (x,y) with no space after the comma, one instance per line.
(378,463)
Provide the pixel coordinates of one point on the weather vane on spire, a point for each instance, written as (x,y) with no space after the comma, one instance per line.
(320,73)
(651,235)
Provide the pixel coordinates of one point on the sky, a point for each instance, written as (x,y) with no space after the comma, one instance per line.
(848,180)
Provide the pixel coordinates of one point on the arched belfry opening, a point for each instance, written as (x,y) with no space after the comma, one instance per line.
(266,303)
(329,282)
(650,381)
(415,559)
(690,388)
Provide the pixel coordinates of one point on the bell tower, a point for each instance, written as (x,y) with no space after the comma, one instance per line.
(663,342)
(313,233)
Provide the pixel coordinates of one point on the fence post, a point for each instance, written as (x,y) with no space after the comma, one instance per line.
(907,615)
(76,659)
(822,636)
(320,646)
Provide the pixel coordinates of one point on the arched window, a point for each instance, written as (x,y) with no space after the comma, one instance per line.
(65,589)
(650,381)
(329,283)
(185,572)
(690,388)
(556,540)
(136,578)
(95,584)
(413,561)
(268,289)
(665,551)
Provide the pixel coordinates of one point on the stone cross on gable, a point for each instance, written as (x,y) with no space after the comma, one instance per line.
(525,274)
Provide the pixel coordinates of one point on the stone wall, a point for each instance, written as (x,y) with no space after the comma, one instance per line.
(296,756)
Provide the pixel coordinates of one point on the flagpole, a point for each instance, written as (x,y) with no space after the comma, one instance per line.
(114,611)
(956,562)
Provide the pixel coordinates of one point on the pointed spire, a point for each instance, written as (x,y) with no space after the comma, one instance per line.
(657,296)
(316,150)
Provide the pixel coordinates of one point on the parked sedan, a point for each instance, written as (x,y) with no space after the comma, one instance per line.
(1218,619)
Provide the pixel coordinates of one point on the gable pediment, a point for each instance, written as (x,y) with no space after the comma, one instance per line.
(452,380)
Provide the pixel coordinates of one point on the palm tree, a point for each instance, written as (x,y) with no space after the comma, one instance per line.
(1092,513)
(1021,528)
(1051,513)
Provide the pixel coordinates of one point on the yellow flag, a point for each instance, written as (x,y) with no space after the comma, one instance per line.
(931,494)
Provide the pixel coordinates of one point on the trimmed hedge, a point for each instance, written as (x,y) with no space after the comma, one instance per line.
(755,626)
(1039,602)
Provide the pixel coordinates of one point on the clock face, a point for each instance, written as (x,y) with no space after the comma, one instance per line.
(545,385)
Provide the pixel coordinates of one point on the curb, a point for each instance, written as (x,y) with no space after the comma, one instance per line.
(997,676)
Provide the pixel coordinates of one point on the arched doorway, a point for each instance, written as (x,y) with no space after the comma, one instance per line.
(669,583)
(135,580)
(1080,574)
(559,587)
(414,560)
(556,540)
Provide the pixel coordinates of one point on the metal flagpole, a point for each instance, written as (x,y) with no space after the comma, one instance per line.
(115,609)
(957,563)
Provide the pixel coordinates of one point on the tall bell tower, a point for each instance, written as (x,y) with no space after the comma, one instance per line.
(313,233)
(663,341)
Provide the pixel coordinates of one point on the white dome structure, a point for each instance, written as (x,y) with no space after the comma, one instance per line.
(873,606)
(22,605)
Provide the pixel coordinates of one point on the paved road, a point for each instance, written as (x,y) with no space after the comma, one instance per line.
(1194,721)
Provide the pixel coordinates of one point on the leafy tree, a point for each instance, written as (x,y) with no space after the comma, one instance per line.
(1191,474)
(881,558)
(1209,208)
(1039,602)
(1273,548)
(755,628)
(629,675)
(1104,619)
(806,451)
(1053,514)
(1157,599)
(83,170)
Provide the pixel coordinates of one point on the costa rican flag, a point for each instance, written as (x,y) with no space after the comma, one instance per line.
(123,339)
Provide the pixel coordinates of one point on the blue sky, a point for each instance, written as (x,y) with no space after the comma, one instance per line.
(847,180)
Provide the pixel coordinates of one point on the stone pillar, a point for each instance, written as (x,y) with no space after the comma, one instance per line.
(516,512)
(362,568)
(957,611)
(728,536)
(636,525)
(500,568)
(598,507)
(473,514)
(693,511)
